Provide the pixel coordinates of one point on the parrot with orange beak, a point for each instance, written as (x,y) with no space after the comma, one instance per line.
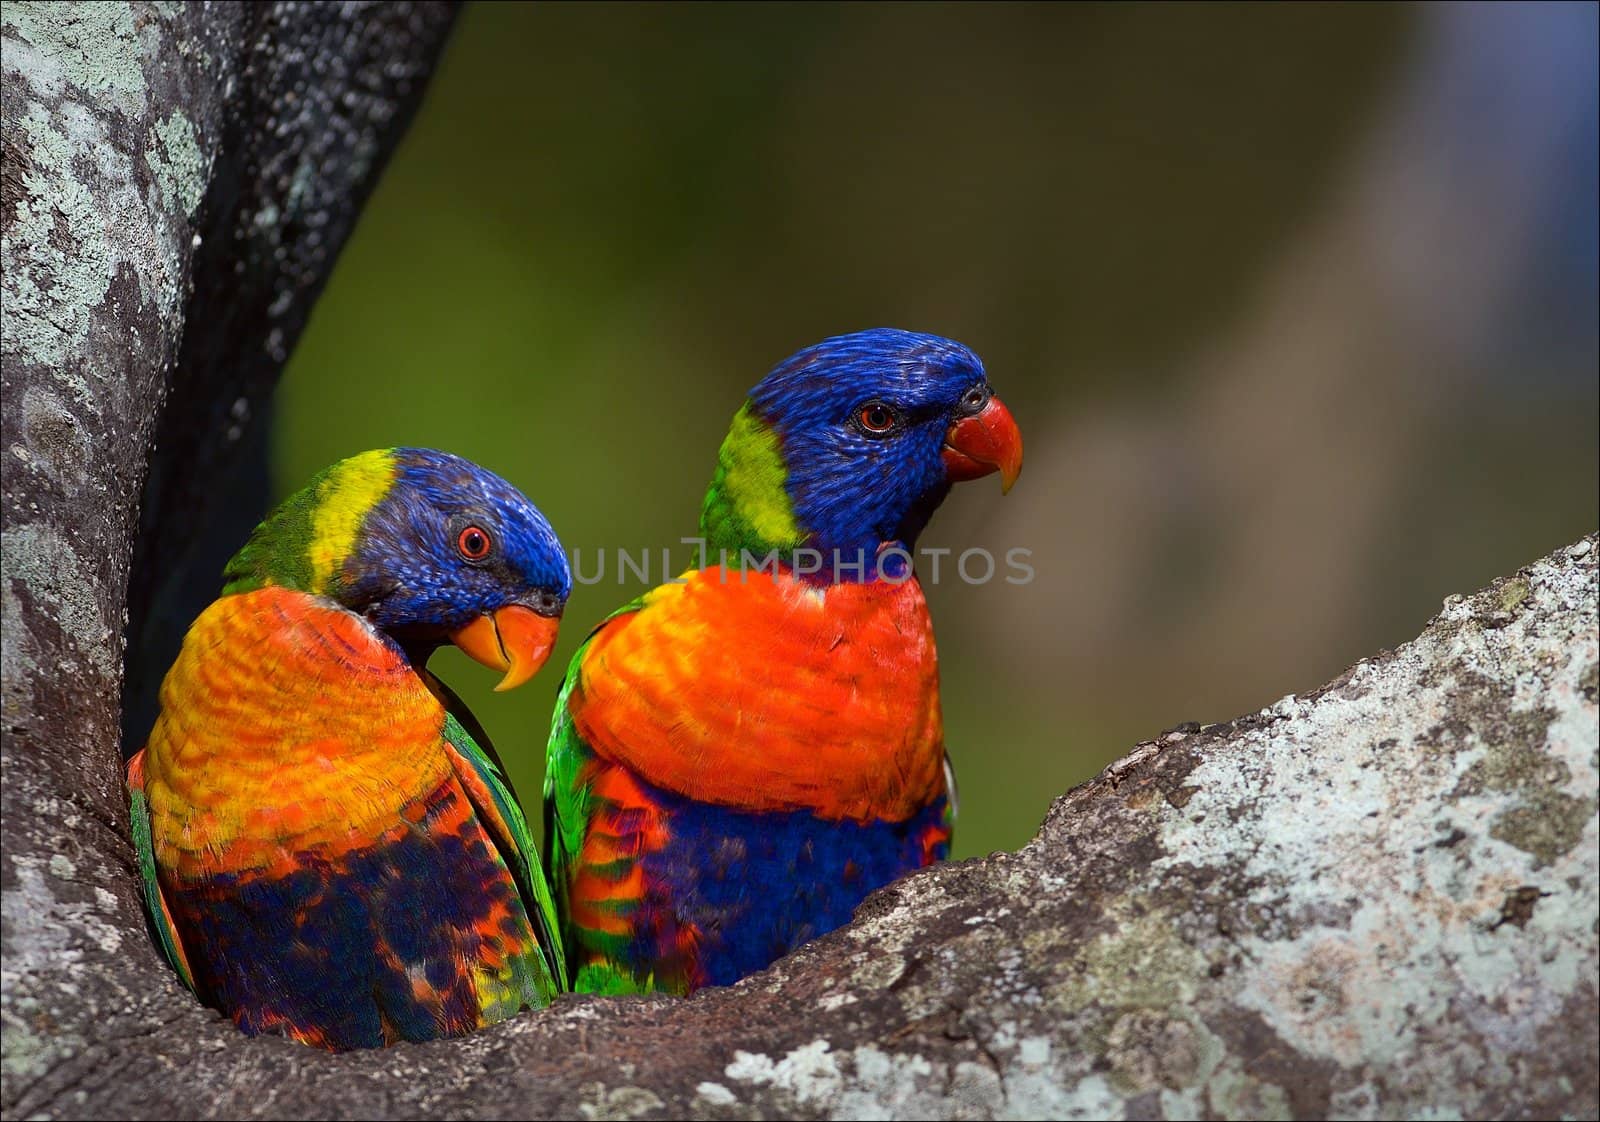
(329,848)
(739,757)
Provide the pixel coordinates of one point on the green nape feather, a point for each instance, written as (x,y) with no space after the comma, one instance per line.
(747,506)
(300,543)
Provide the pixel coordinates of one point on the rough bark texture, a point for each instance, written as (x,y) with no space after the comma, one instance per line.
(176,182)
(1375,900)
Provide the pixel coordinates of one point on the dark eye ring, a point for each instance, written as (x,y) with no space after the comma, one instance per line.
(975,399)
(875,418)
(473,543)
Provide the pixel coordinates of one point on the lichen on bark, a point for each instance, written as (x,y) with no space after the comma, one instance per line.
(1376,899)
(127,130)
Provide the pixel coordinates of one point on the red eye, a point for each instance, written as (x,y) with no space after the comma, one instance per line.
(876,417)
(473,543)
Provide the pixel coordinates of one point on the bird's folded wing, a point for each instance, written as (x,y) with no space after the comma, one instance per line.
(155,902)
(502,817)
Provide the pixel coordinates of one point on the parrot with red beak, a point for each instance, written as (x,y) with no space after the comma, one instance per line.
(740,756)
(328,847)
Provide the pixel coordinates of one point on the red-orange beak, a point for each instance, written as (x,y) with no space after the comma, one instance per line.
(984,442)
(514,639)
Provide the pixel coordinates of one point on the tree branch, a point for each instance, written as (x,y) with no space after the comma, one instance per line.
(1377,899)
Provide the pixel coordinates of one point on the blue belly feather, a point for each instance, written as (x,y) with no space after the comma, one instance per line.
(337,947)
(756,885)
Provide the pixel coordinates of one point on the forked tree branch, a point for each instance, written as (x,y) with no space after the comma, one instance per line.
(1378,899)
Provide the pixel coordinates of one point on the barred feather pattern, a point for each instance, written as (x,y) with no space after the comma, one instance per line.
(320,861)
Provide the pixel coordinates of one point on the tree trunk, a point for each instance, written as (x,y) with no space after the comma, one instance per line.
(1378,899)
(176,182)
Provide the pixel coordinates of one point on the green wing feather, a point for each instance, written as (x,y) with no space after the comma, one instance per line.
(155,904)
(567,813)
(504,820)
(566,802)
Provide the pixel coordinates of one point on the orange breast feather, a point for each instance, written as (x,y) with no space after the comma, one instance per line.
(771,694)
(287,727)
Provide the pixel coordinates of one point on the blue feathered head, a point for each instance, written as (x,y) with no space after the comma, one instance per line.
(854,442)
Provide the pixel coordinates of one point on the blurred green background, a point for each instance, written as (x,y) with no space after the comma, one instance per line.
(1294,305)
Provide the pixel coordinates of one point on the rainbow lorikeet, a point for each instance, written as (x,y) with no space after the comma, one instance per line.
(739,757)
(329,848)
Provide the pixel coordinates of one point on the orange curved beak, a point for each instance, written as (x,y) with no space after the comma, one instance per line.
(985,442)
(514,639)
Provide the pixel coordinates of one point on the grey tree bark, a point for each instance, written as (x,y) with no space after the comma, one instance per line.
(1378,899)
(176,182)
